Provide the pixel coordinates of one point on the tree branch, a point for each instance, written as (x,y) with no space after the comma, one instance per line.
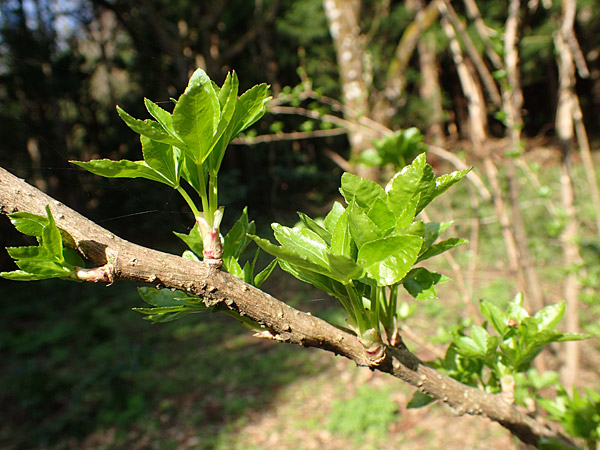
(283,323)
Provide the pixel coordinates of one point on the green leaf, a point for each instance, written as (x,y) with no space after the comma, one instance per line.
(549,317)
(250,107)
(362,190)
(148,128)
(417,178)
(467,347)
(341,239)
(381,215)
(29,252)
(333,216)
(160,297)
(389,259)
(190,171)
(318,280)
(190,256)
(495,316)
(303,242)
(433,230)
(262,276)
(44,268)
(419,400)
(51,239)
(233,267)
(195,119)
(164,118)
(443,183)
(515,309)
(343,268)
(122,169)
(362,228)
(406,217)
(290,256)
(314,226)
(164,159)
(236,241)
(162,309)
(420,283)
(27,223)
(21,275)
(193,239)
(227,96)
(441,247)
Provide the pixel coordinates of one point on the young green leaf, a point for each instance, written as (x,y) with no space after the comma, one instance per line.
(389,259)
(303,242)
(164,159)
(250,107)
(122,169)
(51,238)
(443,183)
(362,228)
(495,316)
(27,223)
(341,239)
(227,96)
(195,120)
(148,128)
(333,216)
(290,256)
(417,178)
(441,247)
(549,317)
(164,118)
(315,227)
(362,190)
(381,215)
(193,239)
(262,276)
(420,283)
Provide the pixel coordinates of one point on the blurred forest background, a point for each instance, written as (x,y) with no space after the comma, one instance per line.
(511,88)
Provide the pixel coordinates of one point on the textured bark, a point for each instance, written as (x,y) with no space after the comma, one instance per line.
(565,131)
(343,17)
(281,322)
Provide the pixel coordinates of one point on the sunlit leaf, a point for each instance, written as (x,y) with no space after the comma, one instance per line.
(389,259)
(148,128)
(164,159)
(122,169)
(333,216)
(441,247)
(362,190)
(195,119)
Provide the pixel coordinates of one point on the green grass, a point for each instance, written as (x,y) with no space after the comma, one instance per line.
(76,360)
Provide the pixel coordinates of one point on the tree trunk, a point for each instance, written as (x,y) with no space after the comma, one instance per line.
(343,18)
(565,132)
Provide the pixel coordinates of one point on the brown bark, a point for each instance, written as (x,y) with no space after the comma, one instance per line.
(565,131)
(343,18)
(512,104)
(282,323)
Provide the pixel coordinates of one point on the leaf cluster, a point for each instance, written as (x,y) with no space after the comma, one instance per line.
(205,119)
(370,245)
(49,259)
(395,150)
(516,340)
